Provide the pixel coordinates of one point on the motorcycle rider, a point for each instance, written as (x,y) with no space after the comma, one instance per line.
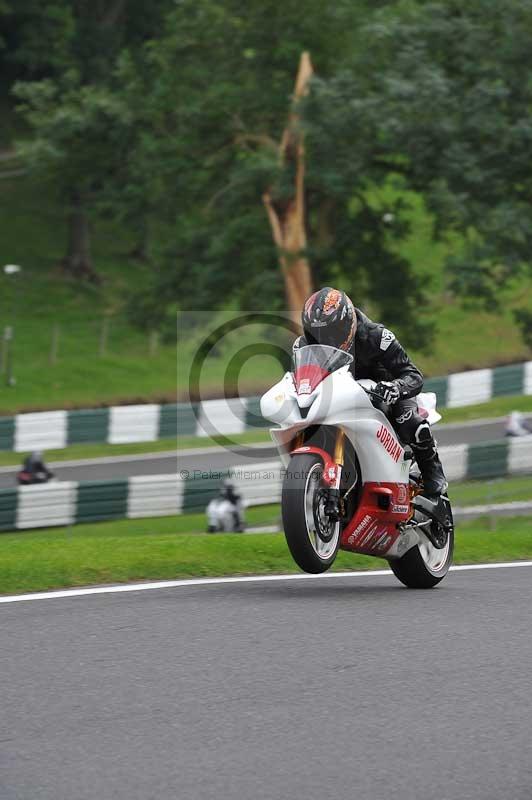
(229,492)
(330,318)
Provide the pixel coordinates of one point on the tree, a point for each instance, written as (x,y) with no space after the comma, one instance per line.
(287,216)
(80,137)
(442,85)
(68,54)
(216,89)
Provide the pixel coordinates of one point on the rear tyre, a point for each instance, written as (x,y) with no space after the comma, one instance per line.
(425,565)
(312,538)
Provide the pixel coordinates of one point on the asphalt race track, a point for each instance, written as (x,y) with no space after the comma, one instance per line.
(302,689)
(102,469)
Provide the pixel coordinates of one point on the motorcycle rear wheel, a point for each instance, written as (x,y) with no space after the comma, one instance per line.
(424,566)
(312,538)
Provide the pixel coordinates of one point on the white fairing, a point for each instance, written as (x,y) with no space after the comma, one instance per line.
(339,400)
(342,401)
(427,400)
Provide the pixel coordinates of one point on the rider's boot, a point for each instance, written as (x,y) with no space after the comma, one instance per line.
(434,481)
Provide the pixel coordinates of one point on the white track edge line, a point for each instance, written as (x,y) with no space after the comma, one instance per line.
(140,587)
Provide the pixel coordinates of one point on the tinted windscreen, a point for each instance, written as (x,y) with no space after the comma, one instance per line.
(314,362)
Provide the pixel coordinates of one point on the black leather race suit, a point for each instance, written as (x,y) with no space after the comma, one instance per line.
(379,356)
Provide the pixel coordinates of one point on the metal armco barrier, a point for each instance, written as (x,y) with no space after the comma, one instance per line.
(71,502)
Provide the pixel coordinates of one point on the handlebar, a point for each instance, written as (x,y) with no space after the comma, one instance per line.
(374,394)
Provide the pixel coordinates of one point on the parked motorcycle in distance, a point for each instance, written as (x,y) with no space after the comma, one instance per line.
(349,483)
(518,425)
(221,517)
(25,478)
(34,470)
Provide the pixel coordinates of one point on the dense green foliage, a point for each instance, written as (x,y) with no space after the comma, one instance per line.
(32,231)
(169,123)
(442,84)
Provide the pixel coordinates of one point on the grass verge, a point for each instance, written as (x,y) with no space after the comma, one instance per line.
(500,490)
(152,549)
(254,436)
(63,355)
(499,407)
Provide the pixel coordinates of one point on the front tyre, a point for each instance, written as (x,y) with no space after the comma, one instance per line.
(313,539)
(425,565)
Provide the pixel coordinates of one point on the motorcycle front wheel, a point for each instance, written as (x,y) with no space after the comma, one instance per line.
(313,539)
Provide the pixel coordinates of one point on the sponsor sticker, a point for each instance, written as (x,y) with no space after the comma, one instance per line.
(370,535)
(361,527)
(402,493)
(304,387)
(390,443)
(386,339)
(400,509)
(381,541)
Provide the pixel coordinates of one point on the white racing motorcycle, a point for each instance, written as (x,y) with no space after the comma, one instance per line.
(349,483)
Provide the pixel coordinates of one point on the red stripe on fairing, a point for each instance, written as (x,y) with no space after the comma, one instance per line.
(311,373)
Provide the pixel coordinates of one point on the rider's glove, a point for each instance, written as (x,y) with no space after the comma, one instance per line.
(388,391)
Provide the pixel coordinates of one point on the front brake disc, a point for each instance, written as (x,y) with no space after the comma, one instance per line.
(324,526)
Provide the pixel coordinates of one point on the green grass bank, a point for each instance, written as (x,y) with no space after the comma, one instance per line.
(65,356)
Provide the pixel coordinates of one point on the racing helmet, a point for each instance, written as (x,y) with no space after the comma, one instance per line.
(329,318)
(227,489)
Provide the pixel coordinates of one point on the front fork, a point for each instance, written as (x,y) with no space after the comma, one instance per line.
(332,505)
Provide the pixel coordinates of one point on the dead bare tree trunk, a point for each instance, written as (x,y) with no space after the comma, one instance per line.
(287,218)
(78,261)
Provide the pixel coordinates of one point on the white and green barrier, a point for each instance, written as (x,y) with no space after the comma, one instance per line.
(54,430)
(480,385)
(71,502)
(51,430)
(460,389)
